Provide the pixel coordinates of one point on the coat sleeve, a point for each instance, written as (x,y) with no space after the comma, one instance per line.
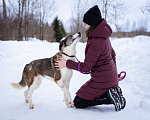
(91,57)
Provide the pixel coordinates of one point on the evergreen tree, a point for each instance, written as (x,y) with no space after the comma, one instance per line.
(58,28)
(63,33)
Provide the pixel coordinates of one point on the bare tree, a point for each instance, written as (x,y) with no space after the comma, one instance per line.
(46,9)
(146,8)
(126,28)
(112,10)
(24,8)
(118,15)
(20,15)
(26,19)
(142,26)
(134,26)
(39,8)
(127,25)
(1,9)
(79,8)
(106,7)
(4,11)
(4,22)
(23,19)
(77,16)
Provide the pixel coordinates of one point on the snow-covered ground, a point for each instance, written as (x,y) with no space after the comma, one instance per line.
(133,56)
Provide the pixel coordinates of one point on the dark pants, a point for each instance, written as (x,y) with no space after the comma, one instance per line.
(82,103)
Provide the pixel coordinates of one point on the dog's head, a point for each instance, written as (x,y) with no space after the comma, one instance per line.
(69,41)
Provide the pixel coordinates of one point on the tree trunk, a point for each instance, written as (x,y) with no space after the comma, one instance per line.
(20,35)
(4,23)
(106,4)
(4,11)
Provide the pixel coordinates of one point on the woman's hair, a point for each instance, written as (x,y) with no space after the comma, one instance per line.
(89,30)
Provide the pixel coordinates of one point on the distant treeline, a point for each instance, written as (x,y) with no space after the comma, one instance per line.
(129,34)
(29,21)
(10,29)
(28,18)
(32,27)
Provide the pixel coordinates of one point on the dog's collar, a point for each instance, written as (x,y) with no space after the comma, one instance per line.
(70,55)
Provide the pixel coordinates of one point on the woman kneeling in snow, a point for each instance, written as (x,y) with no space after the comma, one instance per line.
(100,61)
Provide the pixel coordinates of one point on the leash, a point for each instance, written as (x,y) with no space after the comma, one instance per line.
(120,75)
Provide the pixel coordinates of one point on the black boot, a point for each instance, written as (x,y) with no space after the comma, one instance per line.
(114,99)
(82,103)
(122,99)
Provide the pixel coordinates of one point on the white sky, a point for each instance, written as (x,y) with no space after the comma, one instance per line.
(133,14)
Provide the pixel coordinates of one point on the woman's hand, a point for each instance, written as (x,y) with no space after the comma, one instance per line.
(61,63)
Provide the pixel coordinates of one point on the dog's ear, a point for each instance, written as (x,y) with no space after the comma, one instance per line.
(60,45)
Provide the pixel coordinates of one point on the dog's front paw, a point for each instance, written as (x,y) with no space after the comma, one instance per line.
(31,106)
(70,105)
(27,101)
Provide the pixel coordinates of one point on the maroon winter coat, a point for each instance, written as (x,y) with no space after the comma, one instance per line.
(100,60)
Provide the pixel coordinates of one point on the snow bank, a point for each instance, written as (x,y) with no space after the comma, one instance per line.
(133,56)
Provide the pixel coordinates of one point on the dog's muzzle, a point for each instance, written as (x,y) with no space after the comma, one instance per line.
(79,35)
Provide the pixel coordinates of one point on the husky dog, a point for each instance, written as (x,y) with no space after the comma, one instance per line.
(37,69)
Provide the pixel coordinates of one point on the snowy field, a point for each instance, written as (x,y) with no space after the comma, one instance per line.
(133,56)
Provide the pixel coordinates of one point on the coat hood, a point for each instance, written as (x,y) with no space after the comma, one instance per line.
(103,30)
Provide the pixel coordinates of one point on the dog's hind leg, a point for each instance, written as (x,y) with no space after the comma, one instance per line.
(68,100)
(31,89)
(36,83)
(26,95)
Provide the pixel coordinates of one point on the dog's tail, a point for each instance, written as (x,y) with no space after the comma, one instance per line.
(19,85)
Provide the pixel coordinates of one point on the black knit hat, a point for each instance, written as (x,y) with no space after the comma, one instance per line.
(93,16)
